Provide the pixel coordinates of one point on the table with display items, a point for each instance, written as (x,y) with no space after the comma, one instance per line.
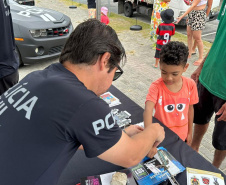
(81,166)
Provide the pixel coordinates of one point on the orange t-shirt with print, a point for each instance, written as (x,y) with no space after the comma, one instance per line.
(172,108)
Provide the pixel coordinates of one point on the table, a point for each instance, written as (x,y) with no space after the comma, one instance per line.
(80,166)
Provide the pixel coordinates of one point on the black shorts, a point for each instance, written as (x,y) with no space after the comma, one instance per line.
(203,111)
(8,81)
(157,53)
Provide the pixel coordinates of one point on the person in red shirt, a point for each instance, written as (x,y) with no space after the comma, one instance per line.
(104,15)
(173,95)
(164,31)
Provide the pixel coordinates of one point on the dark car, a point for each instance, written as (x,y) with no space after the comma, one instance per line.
(40,33)
(26,2)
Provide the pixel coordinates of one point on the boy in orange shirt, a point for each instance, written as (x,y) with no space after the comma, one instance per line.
(173,95)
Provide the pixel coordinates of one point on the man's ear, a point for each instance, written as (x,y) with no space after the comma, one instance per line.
(104,60)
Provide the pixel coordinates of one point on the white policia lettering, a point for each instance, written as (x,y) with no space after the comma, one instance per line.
(21,103)
(100,124)
(3,107)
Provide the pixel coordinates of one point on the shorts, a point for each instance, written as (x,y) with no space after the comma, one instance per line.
(197,20)
(157,53)
(203,111)
(8,81)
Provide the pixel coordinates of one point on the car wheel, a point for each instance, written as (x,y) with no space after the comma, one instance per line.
(128,9)
(20,61)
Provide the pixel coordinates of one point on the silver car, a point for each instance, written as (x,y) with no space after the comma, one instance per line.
(40,34)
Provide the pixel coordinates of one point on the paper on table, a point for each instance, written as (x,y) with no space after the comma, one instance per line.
(106,178)
(203,177)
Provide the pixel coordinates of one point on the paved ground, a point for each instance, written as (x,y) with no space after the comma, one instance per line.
(138,73)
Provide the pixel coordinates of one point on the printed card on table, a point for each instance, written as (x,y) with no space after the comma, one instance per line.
(202,177)
(110,99)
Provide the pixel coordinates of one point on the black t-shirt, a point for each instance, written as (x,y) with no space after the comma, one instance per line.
(9,61)
(44,119)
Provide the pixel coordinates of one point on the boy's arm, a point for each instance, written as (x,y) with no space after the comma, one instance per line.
(190,124)
(148,112)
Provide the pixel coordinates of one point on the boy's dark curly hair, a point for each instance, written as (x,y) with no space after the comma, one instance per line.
(174,53)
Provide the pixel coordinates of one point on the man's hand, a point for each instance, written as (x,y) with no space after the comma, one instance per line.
(129,151)
(222,112)
(152,152)
(133,130)
(160,131)
(161,135)
(195,75)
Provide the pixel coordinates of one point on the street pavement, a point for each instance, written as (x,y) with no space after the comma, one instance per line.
(138,71)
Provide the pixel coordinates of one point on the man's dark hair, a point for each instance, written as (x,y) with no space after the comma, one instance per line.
(89,41)
(174,53)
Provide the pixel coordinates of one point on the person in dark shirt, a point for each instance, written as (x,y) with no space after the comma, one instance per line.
(50,113)
(9,61)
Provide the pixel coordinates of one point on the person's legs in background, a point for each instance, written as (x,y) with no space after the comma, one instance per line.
(203,111)
(157,55)
(219,135)
(190,40)
(197,35)
(198,24)
(193,50)
(156,63)
(198,133)
(219,156)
